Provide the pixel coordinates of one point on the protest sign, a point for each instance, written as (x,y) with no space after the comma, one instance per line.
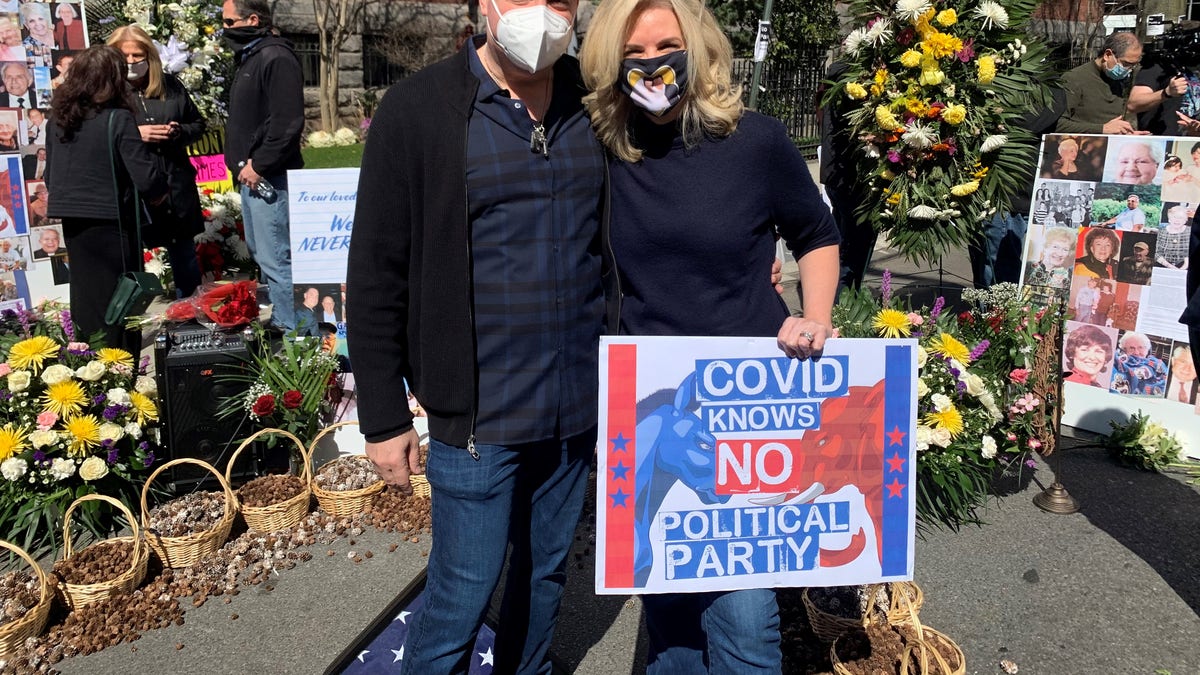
(723,464)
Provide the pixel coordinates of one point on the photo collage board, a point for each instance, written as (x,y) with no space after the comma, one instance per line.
(1108,233)
(38,41)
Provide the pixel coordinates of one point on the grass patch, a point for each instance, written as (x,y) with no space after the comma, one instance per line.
(333,158)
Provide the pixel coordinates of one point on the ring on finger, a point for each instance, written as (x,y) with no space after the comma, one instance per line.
(807,335)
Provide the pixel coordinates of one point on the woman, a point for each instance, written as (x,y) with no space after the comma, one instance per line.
(40,41)
(1052,270)
(11,48)
(1172,248)
(699,189)
(168,121)
(97,221)
(1101,246)
(1064,166)
(1087,354)
(1178,184)
(1086,300)
(68,32)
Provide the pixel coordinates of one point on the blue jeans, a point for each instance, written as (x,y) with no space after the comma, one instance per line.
(529,495)
(721,632)
(997,256)
(270,244)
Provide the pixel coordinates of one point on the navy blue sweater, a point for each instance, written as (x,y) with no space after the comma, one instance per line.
(693,229)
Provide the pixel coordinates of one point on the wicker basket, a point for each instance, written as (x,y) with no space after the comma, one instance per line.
(189,548)
(906,601)
(13,635)
(284,514)
(920,657)
(345,502)
(80,595)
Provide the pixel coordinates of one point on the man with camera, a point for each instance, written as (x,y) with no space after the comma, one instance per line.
(1166,92)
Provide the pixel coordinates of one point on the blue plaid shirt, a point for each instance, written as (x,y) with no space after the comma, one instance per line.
(535,234)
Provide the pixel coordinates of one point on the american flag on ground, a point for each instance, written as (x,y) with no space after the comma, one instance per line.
(385,654)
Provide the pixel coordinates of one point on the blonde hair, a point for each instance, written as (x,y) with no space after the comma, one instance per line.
(134,33)
(711,105)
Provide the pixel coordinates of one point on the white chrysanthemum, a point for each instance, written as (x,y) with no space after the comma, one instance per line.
(993,142)
(154,266)
(320,139)
(57,373)
(940,402)
(43,438)
(239,247)
(13,468)
(345,136)
(911,10)
(133,430)
(118,396)
(920,136)
(923,212)
(62,468)
(854,41)
(988,450)
(879,32)
(993,14)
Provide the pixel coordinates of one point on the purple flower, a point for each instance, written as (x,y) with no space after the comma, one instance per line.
(98,399)
(113,411)
(143,445)
(143,365)
(938,305)
(113,455)
(1030,463)
(148,460)
(955,371)
(39,458)
(893,156)
(885,286)
(64,318)
(23,317)
(960,386)
(979,349)
(967,52)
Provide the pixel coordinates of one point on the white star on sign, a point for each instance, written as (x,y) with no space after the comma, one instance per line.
(402,617)
(399,654)
(487,658)
(362,654)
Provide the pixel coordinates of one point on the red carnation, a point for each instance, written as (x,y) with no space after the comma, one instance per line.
(264,406)
(147,256)
(1019,375)
(292,398)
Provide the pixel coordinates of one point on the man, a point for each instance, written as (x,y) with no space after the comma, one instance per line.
(307,315)
(34,164)
(262,141)
(1135,370)
(1166,95)
(36,126)
(1131,219)
(49,244)
(1086,300)
(1097,90)
(1136,269)
(497,339)
(18,86)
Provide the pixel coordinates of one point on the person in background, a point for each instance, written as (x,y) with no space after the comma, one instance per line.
(262,142)
(690,166)
(1167,102)
(96,220)
(68,32)
(1097,90)
(838,176)
(61,66)
(168,121)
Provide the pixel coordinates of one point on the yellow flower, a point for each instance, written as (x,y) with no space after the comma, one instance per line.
(916,106)
(987,69)
(954,114)
(980,173)
(877,90)
(65,398)
(932,77)
(886,119)
(856,91)
(12,440)
(110,355)
(947,346)
(887,174)
(949,419)
(881,76)
(143,407)
(964,189)
(892,323)
(947,17)
(84,431)
(32,353)
(910,58)
(940,45)
(894,199)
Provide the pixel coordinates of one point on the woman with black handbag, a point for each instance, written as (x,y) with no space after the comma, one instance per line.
(169,121)
(97,166)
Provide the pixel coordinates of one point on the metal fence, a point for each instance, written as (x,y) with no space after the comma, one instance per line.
(788,92)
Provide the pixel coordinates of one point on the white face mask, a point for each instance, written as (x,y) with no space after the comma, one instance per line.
(531,37)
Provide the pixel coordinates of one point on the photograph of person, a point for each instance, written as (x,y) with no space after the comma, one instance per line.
(39,203)
(1123,313)
(39,31)
(1097,253)
(1134,161)
(1188,151)
(10,124)
(1062,203)
(68,27)
(1179,184)
(11,48)
(35,126)
(1182,384)
(33,162)
(315,304)
(14,254)
(1102,315)
(1085,299)
(1088,354)
(1073,157)
(62,63)
(48,240)
(1171,251)
(1137,263)
(1129,208)
(1136,369)
(8,287)
(18,85)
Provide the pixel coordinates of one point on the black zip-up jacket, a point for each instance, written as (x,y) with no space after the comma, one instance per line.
(408,282)
(266,109)
(185,219)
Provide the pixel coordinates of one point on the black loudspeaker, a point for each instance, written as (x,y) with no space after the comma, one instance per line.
(192,365)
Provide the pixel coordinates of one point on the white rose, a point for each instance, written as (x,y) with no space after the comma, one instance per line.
(940,402)
(93,371)
(93,468)
(924,436)
(922,389)
(989,403)
(13,468)
(922,357)
(133,430)
(989,447)
(111,432)
(41,439)
(118,396)
(146,385)
(974,384)
(18,380)
(941,437)
(62,469)
(57,373)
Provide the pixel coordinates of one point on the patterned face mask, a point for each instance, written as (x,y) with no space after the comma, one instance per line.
(655,85)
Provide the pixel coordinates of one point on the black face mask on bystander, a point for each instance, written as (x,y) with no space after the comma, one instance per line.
(239,36)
